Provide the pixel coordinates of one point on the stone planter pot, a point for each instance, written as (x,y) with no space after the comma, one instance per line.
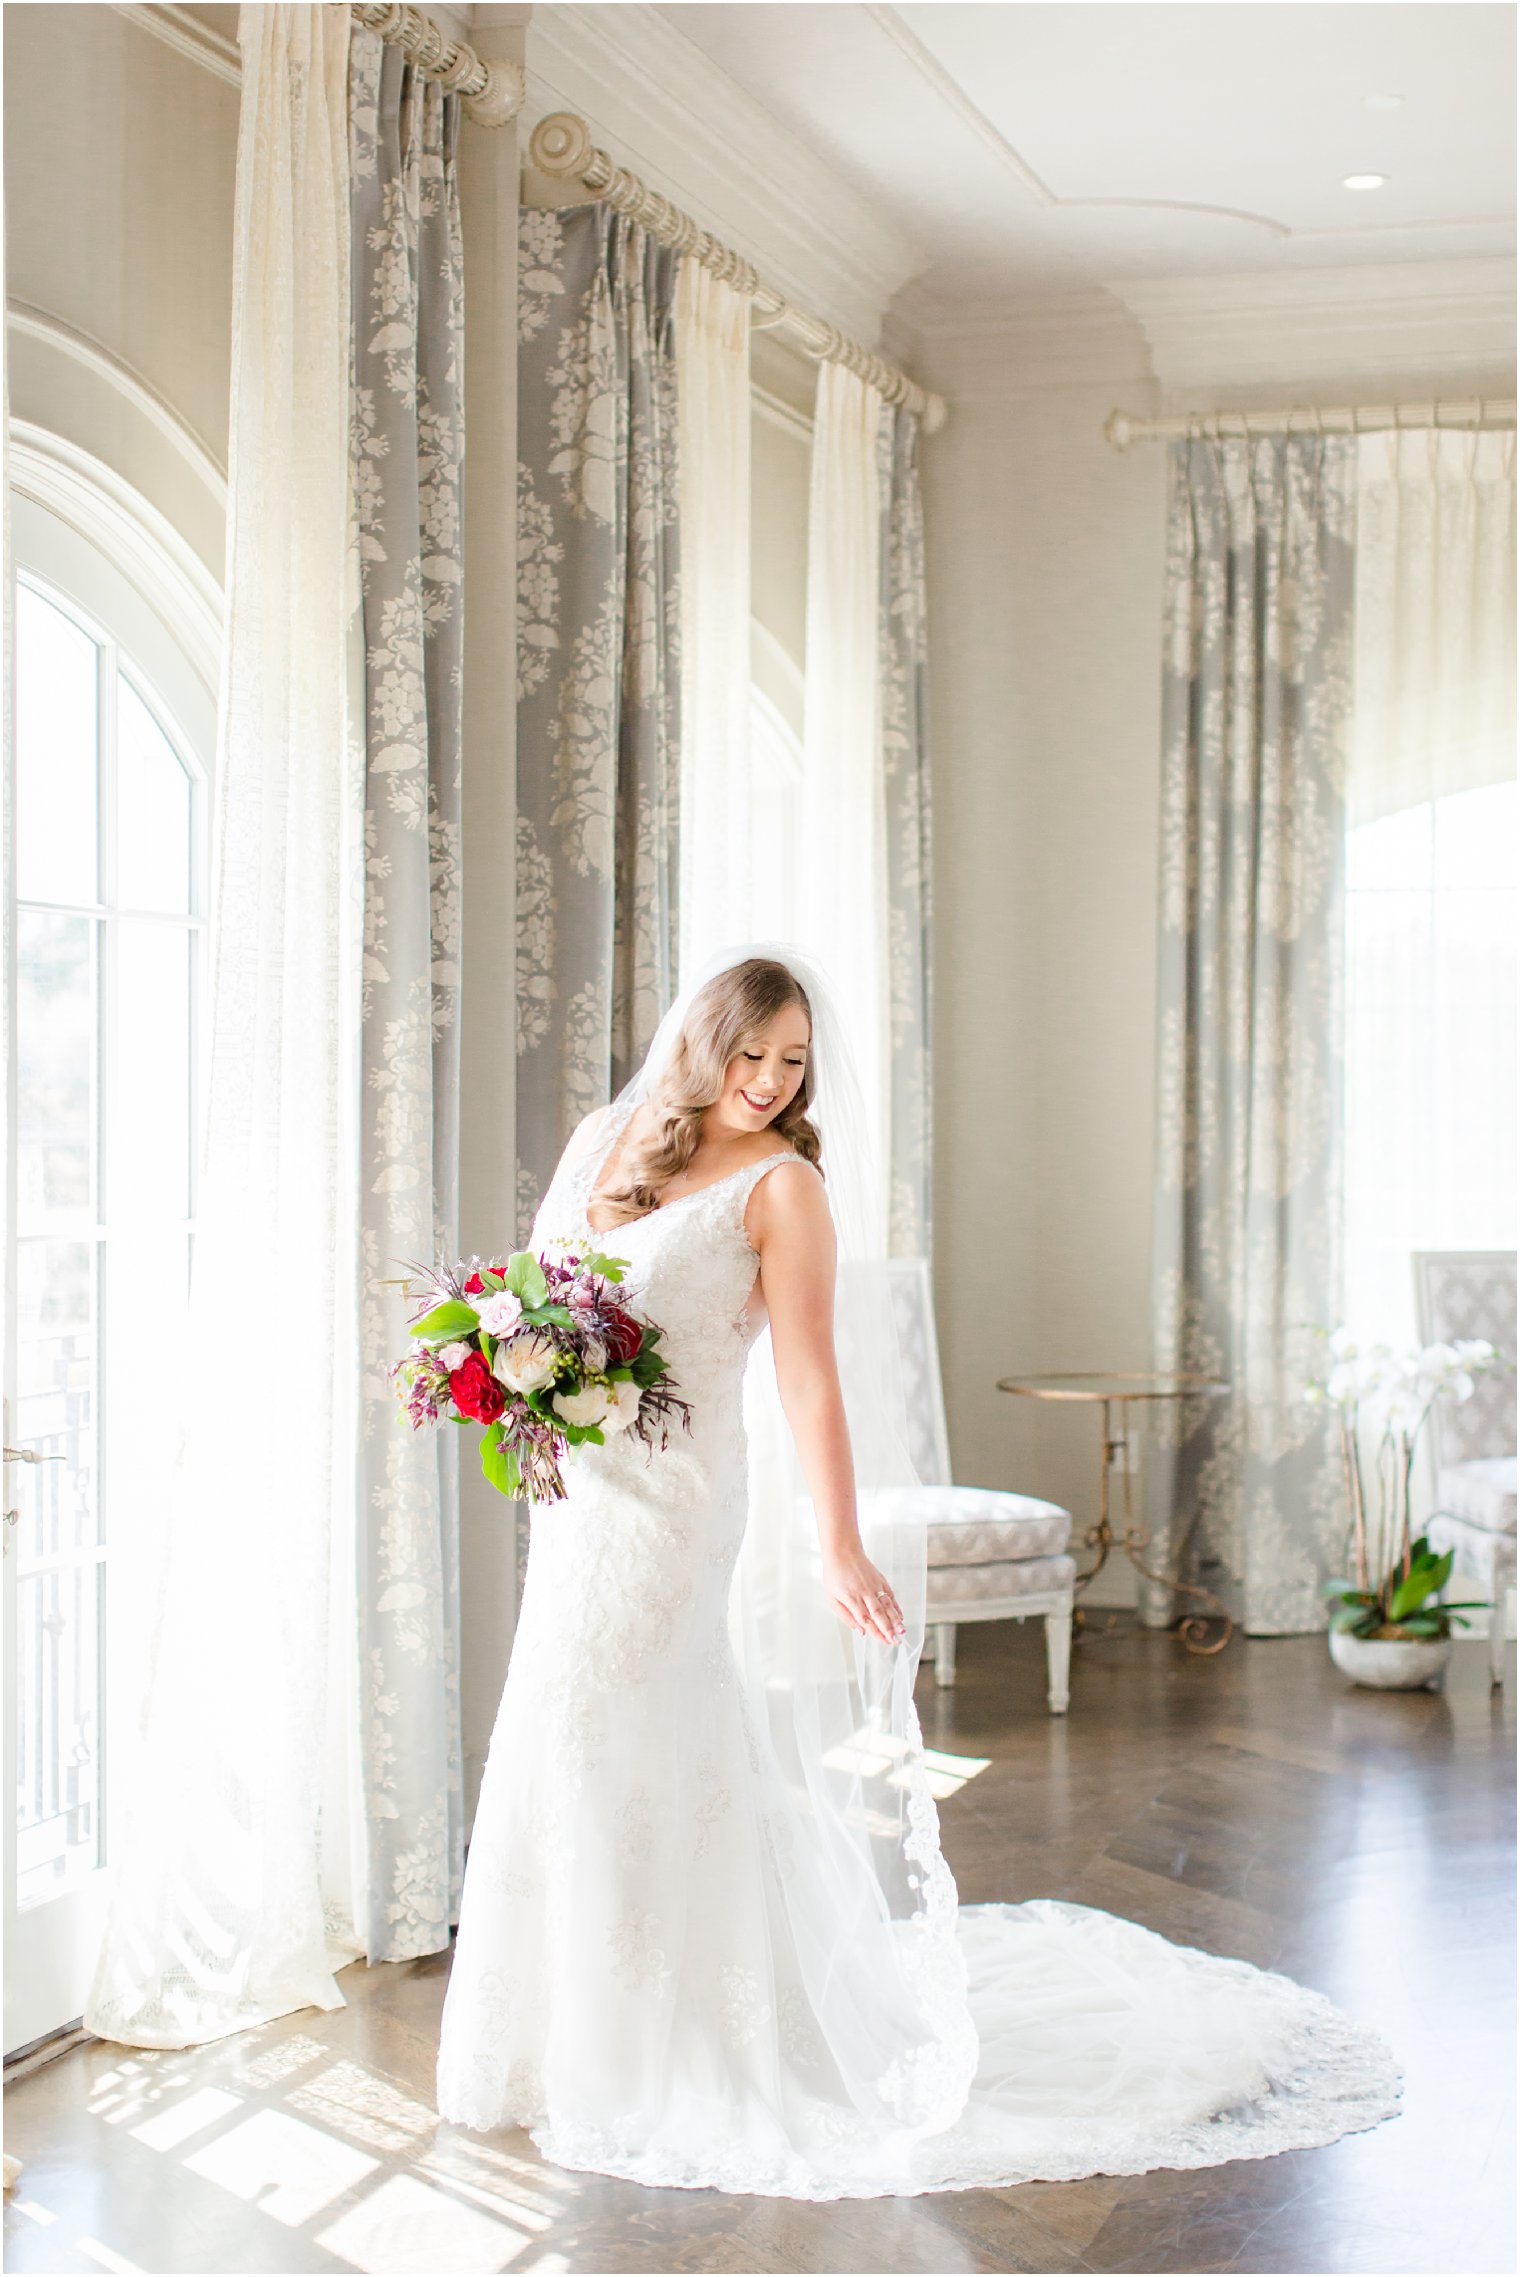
(1390,1664)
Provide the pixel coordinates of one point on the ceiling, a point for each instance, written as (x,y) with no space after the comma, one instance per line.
(1051,148)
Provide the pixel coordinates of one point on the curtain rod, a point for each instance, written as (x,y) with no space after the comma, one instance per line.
(561,146)
(1352,419)
(492,93)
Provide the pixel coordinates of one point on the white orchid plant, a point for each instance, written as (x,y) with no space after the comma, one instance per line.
(1395,1588)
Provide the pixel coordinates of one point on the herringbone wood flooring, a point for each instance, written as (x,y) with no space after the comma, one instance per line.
(1254,1804)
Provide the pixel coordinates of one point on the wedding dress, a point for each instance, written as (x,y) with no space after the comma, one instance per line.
(682,1957)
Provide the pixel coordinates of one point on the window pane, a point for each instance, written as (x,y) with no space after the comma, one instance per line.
(1391,853)
(57,1340)
(148,1114)
(56,1061)
(152,810)
(1431,1093)
(58,1668)
(1475,839)
(57,729)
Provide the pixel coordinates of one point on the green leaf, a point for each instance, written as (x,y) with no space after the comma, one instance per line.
(609,1268)
(1413,1590)
(547,1316)
(525,1278)
(447,1322)
(647,1367)
(499,1462)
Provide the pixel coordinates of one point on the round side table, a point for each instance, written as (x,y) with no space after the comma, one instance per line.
(1115,1395)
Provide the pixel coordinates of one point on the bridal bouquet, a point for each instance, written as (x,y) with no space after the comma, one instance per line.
(539,1351)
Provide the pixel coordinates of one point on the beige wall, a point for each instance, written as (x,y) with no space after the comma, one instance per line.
(120,157)
(1045,583)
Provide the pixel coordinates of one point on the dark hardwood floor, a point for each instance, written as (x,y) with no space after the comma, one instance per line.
(1255,1804)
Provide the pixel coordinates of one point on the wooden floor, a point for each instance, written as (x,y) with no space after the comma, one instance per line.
(1254,1804)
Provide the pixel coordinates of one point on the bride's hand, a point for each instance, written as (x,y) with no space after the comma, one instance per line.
(862,1596)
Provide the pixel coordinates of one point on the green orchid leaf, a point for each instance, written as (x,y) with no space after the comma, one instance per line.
(1411,1593)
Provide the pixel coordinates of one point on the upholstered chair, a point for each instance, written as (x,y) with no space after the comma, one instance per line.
(992,1556)
(1462,1293)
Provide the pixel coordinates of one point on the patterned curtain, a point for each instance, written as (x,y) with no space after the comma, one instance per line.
(408,439)
(1255,713)
(905,782)
(598,694)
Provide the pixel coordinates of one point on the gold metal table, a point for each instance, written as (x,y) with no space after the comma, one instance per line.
(1115,1395)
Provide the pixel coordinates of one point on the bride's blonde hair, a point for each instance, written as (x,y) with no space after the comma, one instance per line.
(733,1008)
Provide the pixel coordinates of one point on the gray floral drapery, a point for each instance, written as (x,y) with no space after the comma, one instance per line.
(598,694)
(905,787)
(1255,724)
(408,442)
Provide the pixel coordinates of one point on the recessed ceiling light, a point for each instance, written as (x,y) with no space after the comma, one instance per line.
(1384,102)
(1363,181)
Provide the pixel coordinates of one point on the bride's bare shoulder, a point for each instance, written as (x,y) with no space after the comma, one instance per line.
(795,1207)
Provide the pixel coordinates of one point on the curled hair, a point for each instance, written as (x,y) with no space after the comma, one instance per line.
(734,1007)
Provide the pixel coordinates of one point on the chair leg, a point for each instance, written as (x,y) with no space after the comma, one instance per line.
(1058,1659)
(1498,1631)
(944,1652)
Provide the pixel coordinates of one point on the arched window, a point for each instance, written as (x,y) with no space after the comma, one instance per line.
(113,727)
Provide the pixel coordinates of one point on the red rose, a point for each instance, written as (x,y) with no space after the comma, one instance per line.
(476,1391)
(474,1286)
(622,1336)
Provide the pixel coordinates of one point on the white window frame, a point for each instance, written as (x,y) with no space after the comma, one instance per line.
(100,551)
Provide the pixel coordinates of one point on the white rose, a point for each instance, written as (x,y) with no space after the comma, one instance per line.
(454,1355)
(527,1363)
(500,1313)
(625,1396)
(587,1408)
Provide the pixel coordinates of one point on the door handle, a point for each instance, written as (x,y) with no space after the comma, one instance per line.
(29,1455)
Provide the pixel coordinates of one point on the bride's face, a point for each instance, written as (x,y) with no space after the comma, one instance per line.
(764,1076)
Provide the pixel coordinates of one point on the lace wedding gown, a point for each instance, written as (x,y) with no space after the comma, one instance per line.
(663,1972)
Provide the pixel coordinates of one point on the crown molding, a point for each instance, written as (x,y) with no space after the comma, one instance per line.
(662,108)
(1318,324)
(1182,334)
(189,37)
(984,351)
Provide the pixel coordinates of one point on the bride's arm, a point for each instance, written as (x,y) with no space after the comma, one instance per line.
(789,1223)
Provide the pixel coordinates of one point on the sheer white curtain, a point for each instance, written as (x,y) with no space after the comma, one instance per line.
(1431,872)
(234,1887)
(712,365)
(844,897)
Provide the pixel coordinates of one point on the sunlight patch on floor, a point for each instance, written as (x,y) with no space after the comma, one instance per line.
(405,2227)
(289,2170)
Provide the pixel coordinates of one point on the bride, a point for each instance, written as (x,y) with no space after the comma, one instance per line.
(707,1936)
